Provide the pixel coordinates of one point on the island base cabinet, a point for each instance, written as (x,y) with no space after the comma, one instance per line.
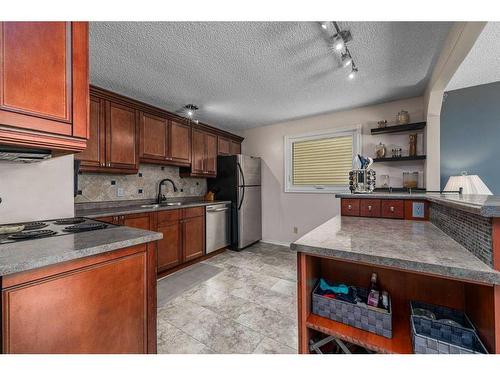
(99,304)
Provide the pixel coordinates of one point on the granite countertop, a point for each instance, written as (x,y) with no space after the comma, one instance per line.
(484,205)
(402,244)
(134,207)
(27,255)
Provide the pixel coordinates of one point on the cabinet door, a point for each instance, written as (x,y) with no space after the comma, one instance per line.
(169,248)
(223,146)
(198,154)
(211,155)
(93,155)
(369,207)
(392,209)
(121,137)
(101,308)
(153,137)
(44,77)
(235,148)
(349,207)
(193,238)
(140,221)
(180,143)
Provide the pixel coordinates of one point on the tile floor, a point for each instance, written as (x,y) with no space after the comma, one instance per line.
(235,302)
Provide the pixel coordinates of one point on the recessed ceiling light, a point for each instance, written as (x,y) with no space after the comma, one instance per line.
(324,25)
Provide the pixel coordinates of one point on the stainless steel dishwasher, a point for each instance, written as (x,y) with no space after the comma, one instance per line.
(218,226)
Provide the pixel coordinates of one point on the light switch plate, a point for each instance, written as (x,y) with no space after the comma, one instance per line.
(120,192)
(418,210)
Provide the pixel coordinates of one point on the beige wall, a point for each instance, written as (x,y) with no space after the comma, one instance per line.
(282,211)
(36,191)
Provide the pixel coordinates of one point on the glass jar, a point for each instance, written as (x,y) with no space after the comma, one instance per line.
(410,180)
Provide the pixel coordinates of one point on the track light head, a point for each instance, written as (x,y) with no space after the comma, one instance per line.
(353,73)
(338,43)
(189,110)
(346,59)
(324,25)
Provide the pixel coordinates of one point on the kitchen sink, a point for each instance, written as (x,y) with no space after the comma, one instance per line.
(150,205)
(171,204)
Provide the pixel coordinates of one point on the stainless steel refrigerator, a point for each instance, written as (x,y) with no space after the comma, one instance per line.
(238,180)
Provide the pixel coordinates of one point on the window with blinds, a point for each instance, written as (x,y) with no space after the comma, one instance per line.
(319,163)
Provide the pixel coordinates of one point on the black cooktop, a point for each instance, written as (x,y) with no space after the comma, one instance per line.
(50,228)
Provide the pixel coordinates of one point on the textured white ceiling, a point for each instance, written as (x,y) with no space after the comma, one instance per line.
(247,74)
(483,61)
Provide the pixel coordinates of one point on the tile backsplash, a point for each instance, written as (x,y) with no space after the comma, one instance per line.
(97,187)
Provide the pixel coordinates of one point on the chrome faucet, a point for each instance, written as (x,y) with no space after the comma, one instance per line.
(162,197)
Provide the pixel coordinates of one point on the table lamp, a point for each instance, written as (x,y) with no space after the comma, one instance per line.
(470,184)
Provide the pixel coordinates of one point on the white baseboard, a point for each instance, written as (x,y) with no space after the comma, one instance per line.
(272,242)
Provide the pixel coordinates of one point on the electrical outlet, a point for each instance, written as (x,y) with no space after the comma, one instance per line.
(418,209)
(120,192)
(295,230)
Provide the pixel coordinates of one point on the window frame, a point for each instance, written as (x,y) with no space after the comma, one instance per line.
(355,132)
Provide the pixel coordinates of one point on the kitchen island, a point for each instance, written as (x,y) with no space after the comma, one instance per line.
(415,260)
(88,292)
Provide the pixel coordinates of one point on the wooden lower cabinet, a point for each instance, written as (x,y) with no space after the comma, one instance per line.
(183,233)
(100,304)
(193,237)
(169,248)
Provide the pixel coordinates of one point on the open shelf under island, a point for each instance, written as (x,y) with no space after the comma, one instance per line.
(414,260)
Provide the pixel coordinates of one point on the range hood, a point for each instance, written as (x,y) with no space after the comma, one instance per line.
(23,155)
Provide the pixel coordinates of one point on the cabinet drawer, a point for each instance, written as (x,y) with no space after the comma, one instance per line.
(369,207)
(193,212)
(349,207)
(168,215)
(393,209)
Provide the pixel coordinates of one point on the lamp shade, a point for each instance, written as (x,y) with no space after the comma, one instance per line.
(471,184)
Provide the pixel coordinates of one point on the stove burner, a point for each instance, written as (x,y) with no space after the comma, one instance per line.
(85,227)
(69,220)
(31,234)
(34,225)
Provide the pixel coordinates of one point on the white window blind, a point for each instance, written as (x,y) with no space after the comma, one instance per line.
(324,161)
(320,162)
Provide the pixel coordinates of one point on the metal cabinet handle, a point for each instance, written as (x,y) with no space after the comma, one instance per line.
(369,208)
(391,208)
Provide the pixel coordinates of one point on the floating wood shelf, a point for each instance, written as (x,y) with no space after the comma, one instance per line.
(402,158)
(399,344)
(399,128)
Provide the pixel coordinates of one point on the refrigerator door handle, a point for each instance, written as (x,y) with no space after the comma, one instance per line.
(242,187)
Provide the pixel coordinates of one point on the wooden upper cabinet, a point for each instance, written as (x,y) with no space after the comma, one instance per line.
(163,141)
(44,84)
(235,148)
(180,143)
(94,154)
(223,146)
(121,137)
(153,137)
(198,152)
(211,154)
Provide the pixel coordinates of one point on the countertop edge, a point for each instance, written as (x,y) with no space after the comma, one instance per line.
(399,264)
(78,254)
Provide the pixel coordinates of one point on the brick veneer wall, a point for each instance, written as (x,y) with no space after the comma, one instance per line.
(472,231)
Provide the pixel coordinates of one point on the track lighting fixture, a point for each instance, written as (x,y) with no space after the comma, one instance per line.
(339,44)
